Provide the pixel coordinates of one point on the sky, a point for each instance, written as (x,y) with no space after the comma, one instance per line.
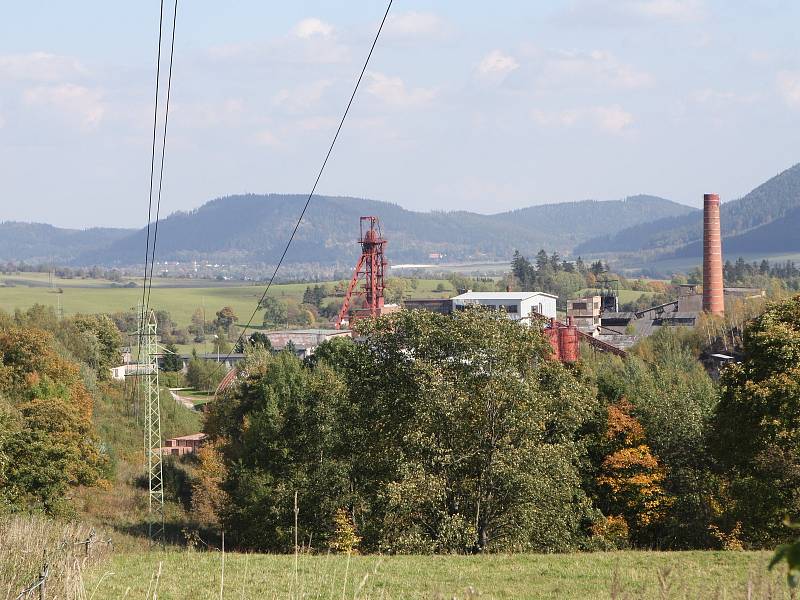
(466,105)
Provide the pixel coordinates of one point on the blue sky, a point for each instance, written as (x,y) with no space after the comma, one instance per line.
(466,105)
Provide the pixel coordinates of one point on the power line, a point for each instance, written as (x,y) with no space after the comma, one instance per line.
(316,181)
(152,164)
(163,150)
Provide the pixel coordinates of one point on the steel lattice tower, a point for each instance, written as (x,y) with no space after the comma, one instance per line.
(148,377)
(369,270)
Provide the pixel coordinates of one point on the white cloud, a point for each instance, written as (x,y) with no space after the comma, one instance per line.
(789,87)
(595,68)
(302,98)
(265,138)
(227,112)
(719,98)
(496,65)
(312,27)
(632,12)
(415,24)
(311,41)
(611,119)
(39,66)
(74,101)
(393,91)
(316,123)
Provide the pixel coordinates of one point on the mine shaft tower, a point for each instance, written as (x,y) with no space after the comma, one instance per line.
(369,271)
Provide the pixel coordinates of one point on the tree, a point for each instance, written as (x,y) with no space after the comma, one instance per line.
(203,374)
(225,319)
(208,497)
(597,268)
(274,311)
(47,440)
(465,438)
(630,477)
(101,342)
(542,260)
(673,399)
(198,326)
(755,437)
(172,359)
(279,432)
(439,433)
(257,339)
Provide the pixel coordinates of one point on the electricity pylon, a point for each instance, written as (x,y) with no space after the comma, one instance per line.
(147,369)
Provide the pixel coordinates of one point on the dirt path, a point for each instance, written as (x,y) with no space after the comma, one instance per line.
(187,402)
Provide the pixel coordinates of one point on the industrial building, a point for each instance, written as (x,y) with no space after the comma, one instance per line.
(515,305)
(185,444)
(304,341)
(585,313)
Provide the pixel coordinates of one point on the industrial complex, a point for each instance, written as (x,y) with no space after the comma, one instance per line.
(594,319)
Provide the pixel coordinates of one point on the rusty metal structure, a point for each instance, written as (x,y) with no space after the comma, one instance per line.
(713,292)
(565,339)
(369,273)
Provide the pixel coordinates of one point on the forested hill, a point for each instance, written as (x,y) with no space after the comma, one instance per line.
(254,228)
(41,243)
(766,206)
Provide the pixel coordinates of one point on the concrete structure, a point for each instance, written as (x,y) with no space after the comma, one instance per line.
(185,444)
(713,298)
(585,313)
(516,305)
(305,341)
(437,305)
(229,360)
(121,372)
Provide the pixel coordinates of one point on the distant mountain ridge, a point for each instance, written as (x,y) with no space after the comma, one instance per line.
(760,221)
(42,243)
(247,229)
(253,229)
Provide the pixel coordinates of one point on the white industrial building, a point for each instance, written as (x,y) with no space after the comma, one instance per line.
(516,305)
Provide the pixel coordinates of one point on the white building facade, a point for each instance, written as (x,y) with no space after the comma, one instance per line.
(515,305)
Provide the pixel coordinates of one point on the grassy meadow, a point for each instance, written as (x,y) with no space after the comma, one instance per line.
(631,575)
(179,297)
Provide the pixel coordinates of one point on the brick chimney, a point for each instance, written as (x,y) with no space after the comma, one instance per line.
(713,298)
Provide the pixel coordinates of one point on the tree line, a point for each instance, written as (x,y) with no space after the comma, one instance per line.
(459,434)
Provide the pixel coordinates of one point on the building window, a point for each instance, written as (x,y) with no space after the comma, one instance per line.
(579,306)
(512,308)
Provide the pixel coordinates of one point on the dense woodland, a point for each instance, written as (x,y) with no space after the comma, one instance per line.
(434,434)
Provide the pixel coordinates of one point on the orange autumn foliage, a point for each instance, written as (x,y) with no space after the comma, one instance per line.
(631,475)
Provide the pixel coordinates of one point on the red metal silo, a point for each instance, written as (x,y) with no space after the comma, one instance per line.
(552,336)
(568,342)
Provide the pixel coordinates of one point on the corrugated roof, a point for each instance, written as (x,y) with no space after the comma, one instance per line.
(501,295)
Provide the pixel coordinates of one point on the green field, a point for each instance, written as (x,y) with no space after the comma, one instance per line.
(179,297)
(631,575)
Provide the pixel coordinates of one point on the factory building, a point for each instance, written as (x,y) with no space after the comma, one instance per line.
(515,305)
(585,313)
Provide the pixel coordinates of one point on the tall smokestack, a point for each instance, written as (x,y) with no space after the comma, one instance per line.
(713,298)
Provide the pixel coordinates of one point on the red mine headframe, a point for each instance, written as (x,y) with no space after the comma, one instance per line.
(369,270)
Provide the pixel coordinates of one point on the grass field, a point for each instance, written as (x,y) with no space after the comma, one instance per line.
(631,575)
(179,297)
